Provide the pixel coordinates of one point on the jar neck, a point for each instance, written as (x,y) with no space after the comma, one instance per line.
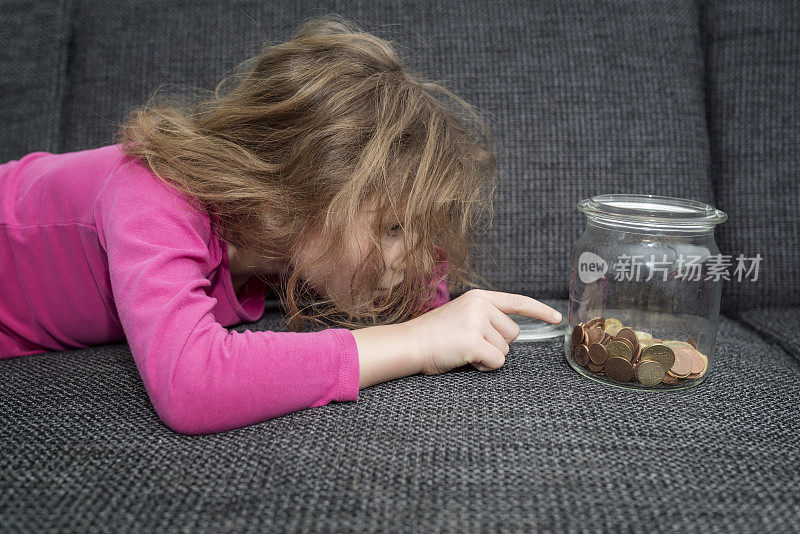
(607,223)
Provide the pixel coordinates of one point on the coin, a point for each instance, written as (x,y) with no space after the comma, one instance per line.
(672,343)
(613,326)
(628,334)
(671,380)
(606,339)
(594,367)
(682,365)
(577,335)
(628,343)
(594,321)
(692,342)
(618,348)
(582,354)
(660,353)
(618,369)
(595,334)
(705,364)
(646,343)
(642,335)
(637,355)
(598,353)
(649,372)
(697,361)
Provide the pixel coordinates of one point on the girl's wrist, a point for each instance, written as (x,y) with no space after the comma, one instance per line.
(385,352)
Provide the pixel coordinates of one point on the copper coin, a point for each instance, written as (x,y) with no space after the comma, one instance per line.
(638,354)
(696,359)
(593,322)
(671,380)
(705,363)
(683,363)
(582,354)
(593,367)
(598,353)
(692,342)
(606,338)
(649,372)
(628,334)
(577,335)
(595,334)
(618,369)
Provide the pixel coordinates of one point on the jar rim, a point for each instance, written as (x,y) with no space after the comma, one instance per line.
(653,210)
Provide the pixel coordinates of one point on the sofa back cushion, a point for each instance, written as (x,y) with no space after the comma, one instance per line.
(753,96)
(34,38)
(584,98)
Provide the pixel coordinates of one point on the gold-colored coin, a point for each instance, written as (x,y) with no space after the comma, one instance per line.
(646,343)
(660,353)
(641,336)
(613,326)
(618,348)
(649,372)
(627,342)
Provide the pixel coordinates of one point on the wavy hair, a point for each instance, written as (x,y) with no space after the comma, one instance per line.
(300,139)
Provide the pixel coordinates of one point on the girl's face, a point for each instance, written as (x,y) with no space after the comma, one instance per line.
(358,246)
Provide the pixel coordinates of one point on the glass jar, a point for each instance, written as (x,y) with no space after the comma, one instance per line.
(644,292)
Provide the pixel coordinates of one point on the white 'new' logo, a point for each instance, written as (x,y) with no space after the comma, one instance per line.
(591,267)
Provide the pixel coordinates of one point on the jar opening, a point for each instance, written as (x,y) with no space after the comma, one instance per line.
(652,211)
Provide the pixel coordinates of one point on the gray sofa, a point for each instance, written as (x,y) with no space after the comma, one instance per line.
(695,99)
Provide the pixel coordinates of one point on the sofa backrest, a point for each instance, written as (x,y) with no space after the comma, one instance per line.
(753,105)
(585,98)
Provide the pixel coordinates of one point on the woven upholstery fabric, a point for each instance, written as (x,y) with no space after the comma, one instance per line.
(532,446)
(753,96)
(584,98)
(33,59)
(778,325)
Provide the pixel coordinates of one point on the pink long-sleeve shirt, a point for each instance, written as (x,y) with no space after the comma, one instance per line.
(95,249)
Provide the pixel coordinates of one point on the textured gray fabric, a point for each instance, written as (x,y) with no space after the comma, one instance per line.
(585,98)
(753,99)
(779,325)
(532,446)
(33,59)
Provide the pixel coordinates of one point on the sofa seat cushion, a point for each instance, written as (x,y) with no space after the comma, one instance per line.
(530,446)
(780,325)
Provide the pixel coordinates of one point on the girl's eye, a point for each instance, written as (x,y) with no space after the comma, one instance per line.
(396,228)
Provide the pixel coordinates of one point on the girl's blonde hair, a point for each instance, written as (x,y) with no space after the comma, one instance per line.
(313,132)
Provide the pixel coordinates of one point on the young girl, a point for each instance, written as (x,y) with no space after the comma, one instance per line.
(329,171)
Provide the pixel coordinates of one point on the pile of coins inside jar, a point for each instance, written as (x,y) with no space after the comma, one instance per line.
(607,347)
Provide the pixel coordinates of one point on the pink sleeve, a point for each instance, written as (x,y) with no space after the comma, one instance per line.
(200,377)
(440,279)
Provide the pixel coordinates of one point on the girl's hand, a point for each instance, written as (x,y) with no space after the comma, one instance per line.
(472,328)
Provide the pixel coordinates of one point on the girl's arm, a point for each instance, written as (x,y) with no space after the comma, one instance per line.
(200,377)
(385,352)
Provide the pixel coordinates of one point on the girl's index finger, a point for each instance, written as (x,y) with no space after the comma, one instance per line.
(514,303)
